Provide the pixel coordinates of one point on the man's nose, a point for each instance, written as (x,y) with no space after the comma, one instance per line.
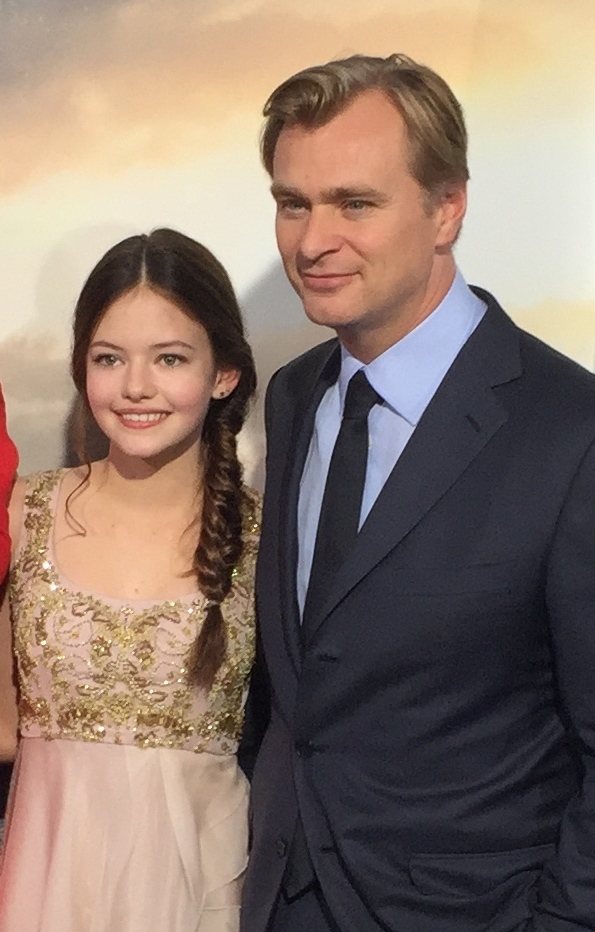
(320,234)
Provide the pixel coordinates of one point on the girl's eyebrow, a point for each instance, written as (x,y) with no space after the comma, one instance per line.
(105,344)
(172,343)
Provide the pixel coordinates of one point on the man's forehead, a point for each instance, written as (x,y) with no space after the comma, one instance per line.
(355,137)
(351,168)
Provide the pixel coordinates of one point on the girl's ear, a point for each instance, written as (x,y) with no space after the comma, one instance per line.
(225,382)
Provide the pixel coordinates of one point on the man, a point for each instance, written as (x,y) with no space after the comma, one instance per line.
(430,761)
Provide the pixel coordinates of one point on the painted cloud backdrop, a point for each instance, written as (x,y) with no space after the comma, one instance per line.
(120,115)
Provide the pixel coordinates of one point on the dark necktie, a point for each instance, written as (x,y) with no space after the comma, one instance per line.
(343,492)
(337,530)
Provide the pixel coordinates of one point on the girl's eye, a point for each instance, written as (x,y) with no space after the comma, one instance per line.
(105,359)
(171,359)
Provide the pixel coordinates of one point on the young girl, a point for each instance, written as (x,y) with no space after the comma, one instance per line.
(131,598)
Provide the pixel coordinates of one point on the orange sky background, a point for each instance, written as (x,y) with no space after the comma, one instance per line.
(118,115)
(104,85)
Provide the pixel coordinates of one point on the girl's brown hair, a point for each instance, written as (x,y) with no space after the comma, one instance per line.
(186,273)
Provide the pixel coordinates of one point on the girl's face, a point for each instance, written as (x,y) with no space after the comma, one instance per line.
(151,376)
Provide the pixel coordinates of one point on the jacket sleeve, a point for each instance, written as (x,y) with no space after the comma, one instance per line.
(565,895)
(258,704)
(257,714)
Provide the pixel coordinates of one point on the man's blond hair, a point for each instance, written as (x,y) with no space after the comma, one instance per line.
(433,116)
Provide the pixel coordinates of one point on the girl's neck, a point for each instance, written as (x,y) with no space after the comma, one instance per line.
(175,482)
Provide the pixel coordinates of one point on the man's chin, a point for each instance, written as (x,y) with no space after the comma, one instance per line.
(325,316)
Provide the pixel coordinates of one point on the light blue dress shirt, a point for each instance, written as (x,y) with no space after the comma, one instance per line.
(406,376)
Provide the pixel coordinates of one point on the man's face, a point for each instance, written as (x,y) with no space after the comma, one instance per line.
(365,250)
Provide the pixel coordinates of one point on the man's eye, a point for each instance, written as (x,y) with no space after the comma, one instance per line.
(357,205)
(290,207)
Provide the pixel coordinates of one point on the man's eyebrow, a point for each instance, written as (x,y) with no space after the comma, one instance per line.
(332,195)
(283,190)
(353,193)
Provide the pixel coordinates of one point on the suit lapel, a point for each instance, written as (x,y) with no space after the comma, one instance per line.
(457,424)
(307,400)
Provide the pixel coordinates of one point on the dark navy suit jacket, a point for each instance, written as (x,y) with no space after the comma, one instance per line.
(437,731)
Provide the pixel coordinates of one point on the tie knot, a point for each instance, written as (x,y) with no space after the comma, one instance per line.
(360,397)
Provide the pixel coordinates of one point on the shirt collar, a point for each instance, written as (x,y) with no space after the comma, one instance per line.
(408,373)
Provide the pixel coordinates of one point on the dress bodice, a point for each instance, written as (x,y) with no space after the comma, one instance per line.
(93,668)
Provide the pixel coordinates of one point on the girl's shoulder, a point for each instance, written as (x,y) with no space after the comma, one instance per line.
(37,491)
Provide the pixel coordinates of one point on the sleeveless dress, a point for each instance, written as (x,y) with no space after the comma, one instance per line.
(127,811)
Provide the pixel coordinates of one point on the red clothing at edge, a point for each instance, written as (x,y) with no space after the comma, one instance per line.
(8,465)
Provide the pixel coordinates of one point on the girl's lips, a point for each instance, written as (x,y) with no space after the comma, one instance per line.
(141,420)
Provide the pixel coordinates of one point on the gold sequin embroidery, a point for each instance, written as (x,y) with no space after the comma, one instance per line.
(93,669)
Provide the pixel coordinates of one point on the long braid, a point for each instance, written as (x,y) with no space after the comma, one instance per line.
(220,543)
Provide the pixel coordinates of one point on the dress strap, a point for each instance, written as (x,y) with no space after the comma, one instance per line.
(39,508)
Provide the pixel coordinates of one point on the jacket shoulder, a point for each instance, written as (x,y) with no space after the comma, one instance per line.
(547,374)
(306,366)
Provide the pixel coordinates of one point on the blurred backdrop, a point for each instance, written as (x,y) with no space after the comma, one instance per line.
(121,115)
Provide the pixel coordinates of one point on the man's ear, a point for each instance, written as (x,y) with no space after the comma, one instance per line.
(450,211)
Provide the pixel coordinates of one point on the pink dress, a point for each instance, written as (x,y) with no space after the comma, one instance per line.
(128,811)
